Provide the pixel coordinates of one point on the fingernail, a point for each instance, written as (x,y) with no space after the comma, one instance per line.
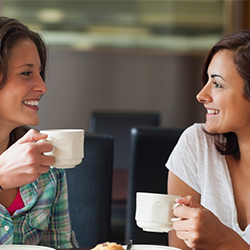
(180,199)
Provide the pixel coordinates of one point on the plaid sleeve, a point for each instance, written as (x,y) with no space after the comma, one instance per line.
(59,233)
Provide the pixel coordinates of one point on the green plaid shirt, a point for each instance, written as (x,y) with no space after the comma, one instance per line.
(44,220)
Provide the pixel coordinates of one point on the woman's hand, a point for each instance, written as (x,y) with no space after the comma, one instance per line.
(200,228)
(24,161)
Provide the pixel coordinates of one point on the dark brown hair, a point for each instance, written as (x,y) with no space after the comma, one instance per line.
(239,44)
(12,32)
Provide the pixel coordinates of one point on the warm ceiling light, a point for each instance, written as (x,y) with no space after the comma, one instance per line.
(51,15)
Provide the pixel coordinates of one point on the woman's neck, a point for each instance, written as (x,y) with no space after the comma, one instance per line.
(244,147)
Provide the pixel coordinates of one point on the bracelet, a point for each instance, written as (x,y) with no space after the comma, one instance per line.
(1,187)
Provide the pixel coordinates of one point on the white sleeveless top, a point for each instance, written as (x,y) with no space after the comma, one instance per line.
(197,162)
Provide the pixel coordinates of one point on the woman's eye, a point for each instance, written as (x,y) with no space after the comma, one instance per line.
(26,73)
(217,85)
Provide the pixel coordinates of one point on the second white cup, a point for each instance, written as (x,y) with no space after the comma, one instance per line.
(68,146)
(154,212)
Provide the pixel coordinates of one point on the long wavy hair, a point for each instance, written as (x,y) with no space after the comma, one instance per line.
(239,44)
(12,32)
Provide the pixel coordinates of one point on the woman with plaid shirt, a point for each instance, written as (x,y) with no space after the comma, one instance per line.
(33,197)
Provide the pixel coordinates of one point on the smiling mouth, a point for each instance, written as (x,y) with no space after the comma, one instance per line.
(213,111)
(32,103)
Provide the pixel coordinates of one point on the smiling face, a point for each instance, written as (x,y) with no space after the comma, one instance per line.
(222,96)
(24,87)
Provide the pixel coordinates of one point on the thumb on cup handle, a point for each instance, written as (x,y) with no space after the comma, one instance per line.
(51,153)
(175,206)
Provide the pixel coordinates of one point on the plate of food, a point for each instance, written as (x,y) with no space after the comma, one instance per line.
(115,246)
(150,247)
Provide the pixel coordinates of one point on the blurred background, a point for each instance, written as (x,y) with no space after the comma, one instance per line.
(135,55)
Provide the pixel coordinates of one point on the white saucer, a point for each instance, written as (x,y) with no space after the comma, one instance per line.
(24,247)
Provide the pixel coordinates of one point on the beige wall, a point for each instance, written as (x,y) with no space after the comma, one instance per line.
(80,82)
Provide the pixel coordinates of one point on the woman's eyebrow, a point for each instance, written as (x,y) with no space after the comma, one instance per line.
(26,65)
(216,75)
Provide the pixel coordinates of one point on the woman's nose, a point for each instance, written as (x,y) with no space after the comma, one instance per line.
(40,85)
(204,95)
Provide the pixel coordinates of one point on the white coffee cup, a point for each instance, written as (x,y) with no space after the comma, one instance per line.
(68,146)
(154,212)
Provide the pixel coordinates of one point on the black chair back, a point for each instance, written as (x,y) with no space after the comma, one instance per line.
(151,147)
(118,124)
(89,189)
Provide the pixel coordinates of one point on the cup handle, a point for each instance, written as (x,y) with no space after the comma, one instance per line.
(175,206)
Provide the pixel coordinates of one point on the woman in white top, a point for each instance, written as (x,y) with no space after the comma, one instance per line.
(210,165)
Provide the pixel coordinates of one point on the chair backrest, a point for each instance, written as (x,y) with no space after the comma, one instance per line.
(118,124)
(89,189)
(151,147)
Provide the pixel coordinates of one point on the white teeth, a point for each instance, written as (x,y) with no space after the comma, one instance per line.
(213,111)
(31,103)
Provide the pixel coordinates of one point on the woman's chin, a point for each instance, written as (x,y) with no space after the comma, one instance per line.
(34,123)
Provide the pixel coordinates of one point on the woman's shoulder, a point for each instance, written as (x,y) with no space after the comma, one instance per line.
(194,132)
(197,132)
(196,139)
(196,128)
